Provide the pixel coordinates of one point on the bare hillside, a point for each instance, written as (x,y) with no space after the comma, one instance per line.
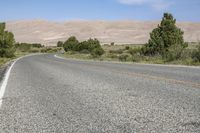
(120,32)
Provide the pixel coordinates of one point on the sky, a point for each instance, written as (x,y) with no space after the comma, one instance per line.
(63,10)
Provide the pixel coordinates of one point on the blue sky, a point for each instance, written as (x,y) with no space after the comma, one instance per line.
(60,10)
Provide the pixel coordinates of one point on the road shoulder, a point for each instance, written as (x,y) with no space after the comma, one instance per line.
(117,62)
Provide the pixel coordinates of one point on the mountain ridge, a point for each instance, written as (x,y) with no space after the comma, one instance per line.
(119,31)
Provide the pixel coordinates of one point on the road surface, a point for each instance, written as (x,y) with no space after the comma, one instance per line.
(48,94)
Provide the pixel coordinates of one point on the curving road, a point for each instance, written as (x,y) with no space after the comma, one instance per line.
(46,94)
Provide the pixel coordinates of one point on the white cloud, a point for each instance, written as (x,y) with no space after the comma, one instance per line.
(161,6)
(133,2)
(155,4)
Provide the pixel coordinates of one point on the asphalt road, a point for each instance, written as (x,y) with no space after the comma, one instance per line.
(47,94)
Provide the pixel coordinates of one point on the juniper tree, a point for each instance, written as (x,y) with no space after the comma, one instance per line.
(166,40)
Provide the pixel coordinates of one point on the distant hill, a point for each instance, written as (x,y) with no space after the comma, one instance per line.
(120,32)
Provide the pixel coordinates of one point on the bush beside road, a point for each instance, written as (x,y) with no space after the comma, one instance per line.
(165,46)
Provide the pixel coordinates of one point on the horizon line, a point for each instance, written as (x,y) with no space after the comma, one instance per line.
(106,20)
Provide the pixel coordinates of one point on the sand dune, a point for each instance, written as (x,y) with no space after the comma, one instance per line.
(120,32)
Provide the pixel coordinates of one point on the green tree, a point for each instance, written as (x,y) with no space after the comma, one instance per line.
(6,42)
(81,46)
(89,45)
(70,44)
(59,44)
(166,40)
(93,44)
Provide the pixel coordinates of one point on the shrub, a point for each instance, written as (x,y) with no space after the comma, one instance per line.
(44,50)
(127,48)
(106,45)
(49,50)
(119,51)
(36,45)
(59,44)
(26,47)
(136,58)
(71,52)
(88,45)
(123,57)
(34,51)
(187,53)
(72,44)
(55,50)
(196,54)
(112,43)
(84,51)
(93,44)
(134,51)
(59,48)
(110,55)
(97,52)
(23,47)
(81,46)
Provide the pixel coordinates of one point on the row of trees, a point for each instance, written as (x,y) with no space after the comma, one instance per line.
(25,47)
(7,42)
(91,46)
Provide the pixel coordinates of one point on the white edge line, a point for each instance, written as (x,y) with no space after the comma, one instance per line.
(6,77)
(58,57)
(162,65)
(5,81)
